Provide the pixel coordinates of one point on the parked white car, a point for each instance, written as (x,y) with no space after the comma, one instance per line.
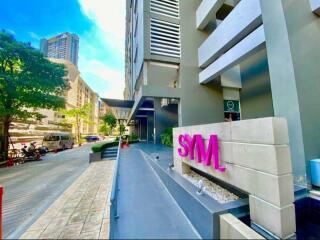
(58,141)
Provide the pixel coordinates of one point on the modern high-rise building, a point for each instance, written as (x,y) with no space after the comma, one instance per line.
(63,46)
(193,62)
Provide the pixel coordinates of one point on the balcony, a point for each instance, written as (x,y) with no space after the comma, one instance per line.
(207,11)
(315,6)
(244,18)
(248,46)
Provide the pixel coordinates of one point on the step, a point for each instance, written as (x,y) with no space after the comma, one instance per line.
(109,155)
(108,158)
(113,153)
(110,152)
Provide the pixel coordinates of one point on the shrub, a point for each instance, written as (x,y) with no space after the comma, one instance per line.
(99,147)
(133,137)
(167,137)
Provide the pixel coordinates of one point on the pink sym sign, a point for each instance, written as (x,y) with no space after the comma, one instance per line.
(210,156)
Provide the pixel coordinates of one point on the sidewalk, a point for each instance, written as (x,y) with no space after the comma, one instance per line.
(145,207)
(82,211)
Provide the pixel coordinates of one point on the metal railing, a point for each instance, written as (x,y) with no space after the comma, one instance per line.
(113,196)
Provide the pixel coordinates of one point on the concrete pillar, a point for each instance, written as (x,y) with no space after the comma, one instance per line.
(164,117)
(292,38)
(144,129)
(150,128)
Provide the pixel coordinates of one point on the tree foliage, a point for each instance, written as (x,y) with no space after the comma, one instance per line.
(76,116)
(105,129)
(28,82)
(122,129)
(110,120)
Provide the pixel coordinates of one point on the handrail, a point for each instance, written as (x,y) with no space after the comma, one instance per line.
(113,195)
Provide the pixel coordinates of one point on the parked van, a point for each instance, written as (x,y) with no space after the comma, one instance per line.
(58,141)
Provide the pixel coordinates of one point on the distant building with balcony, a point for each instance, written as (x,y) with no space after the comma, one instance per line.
(76,96)
(63,46)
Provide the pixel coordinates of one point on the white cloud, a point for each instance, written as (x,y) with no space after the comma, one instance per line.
(112,78)
(109,17)
(10,31)
(34,35)
(108,33)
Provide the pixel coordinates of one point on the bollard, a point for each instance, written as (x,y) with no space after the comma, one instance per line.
(121,143)
(10,162)
(1,193)
(127,143)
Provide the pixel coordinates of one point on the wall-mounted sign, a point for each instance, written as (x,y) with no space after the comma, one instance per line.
(210,156)
(231,106)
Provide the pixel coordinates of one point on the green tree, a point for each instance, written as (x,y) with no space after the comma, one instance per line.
(122,129)
(110,120)
(28,82)
(76,116)
(105,129)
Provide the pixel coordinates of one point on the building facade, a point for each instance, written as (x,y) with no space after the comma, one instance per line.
(195,62)
(63,46)
(76,96)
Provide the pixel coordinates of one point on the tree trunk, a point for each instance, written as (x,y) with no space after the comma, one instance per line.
(78,130)
(6,126)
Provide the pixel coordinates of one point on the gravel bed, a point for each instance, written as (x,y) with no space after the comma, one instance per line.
(214,190)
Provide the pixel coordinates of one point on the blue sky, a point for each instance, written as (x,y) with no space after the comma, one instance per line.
(100,25)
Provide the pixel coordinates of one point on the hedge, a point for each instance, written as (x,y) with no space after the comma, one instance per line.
(99,147)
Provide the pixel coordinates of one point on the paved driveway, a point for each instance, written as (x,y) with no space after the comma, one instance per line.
(30,188)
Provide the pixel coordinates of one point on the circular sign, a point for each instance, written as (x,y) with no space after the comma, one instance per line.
(230,105)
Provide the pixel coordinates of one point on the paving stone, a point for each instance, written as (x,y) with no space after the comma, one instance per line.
(92,226)
(65,212)
(71,231)
(90,235)
(81,210)
(95,217)
(31,235)
(57,223)
(78,217)
(49,235)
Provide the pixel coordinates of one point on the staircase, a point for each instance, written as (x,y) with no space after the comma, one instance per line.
(109,154)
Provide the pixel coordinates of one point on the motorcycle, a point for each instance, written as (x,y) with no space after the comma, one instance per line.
(31,153)
(43,150)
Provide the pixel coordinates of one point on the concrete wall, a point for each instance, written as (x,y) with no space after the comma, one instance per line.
(162,74)
(292,40)
(304,32)
(232,228)
(198,103)
(255,95)
(257,161)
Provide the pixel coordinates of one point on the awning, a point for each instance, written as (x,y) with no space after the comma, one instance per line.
(120,108)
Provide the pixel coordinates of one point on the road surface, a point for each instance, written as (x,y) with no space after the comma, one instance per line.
(30,188)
